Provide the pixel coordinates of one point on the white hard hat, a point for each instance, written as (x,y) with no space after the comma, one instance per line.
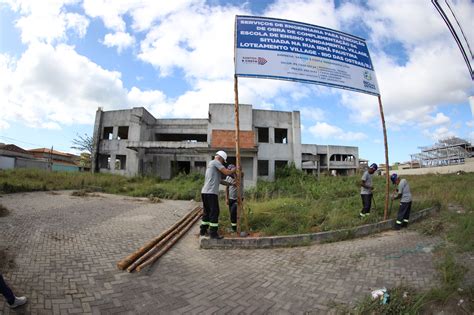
(222,154)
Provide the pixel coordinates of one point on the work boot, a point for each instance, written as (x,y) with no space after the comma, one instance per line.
(397,227)
(214,235)
(203,231)
(404,224)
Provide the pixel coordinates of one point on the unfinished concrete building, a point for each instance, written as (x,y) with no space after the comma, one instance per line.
(132,142)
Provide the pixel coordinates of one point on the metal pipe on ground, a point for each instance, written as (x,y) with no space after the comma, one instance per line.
(127,261)
(163,250)
(161,243)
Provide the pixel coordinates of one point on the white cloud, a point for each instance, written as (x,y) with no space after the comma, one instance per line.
(439,119)
(203,51)
(471,104)
(313,113)
(120,40)
(110,11)
(321,12)
(470,123)
(439,133)
(4,124)
(47,21)
(324,130)
(412,92)
(51,86)
(154,101)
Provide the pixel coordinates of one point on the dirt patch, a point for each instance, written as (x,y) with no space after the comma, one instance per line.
(459,304)
(3,211)
(154,199)
(83,193)
(452,207)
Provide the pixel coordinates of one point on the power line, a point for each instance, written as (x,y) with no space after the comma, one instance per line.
(13,139)
(455,35)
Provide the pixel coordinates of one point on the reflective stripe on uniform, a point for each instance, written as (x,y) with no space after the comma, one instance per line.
(234,224)
(214,224)
(405,220)
(398,222)
(205,223)
(361,214)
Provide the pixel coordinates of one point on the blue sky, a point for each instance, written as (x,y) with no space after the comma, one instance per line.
(61,59)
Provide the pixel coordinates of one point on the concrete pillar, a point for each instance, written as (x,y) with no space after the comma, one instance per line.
(296,139)
(96,140)
(255,169)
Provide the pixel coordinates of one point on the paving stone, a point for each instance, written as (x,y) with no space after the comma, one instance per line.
(65,251)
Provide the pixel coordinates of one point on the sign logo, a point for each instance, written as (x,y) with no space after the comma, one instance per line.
(262,61)
(367,76)
(255,60)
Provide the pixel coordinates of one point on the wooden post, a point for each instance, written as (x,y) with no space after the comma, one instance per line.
(237,153)
(387,166)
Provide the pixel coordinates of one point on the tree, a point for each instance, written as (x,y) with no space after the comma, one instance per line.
(84,144)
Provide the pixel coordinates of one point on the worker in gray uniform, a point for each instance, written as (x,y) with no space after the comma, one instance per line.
(403,193)
(210,194)
(366,188)
(231,196)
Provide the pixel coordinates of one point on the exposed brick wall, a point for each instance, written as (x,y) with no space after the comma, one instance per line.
(224,139)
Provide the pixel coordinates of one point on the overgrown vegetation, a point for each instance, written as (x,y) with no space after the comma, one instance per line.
(295,203)
(23,180)
(299,203)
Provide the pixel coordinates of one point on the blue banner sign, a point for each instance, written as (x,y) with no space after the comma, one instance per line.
(288,50)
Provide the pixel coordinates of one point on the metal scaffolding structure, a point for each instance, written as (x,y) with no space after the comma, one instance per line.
(445,152)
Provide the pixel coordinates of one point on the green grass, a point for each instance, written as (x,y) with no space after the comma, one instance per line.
(180,187)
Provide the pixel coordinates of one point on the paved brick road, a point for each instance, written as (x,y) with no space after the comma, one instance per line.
(65,249)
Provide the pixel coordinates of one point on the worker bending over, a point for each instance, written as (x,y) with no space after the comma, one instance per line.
(231,196)
(403,193)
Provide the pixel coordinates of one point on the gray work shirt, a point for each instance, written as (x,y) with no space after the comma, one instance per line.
(233,190)
(213,178)
(367,178)
(404,189)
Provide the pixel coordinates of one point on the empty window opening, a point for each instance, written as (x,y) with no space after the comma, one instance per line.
(120,162)
(262,167)
(104,161)
(122,132)
(108,133)
(262,134)
(342,158)
(180,167)
(200,164)
(280,164)
(186,137)
(281,135)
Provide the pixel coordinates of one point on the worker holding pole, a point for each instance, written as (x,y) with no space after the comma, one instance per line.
(231,196)
(366,189)
(210,194)
(403,193)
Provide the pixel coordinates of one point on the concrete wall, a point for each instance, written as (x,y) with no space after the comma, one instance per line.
(272,151)
(7,162)
(30,163)
(467,167)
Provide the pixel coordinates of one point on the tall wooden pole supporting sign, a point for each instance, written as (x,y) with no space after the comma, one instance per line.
(387,167)
(237,153)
